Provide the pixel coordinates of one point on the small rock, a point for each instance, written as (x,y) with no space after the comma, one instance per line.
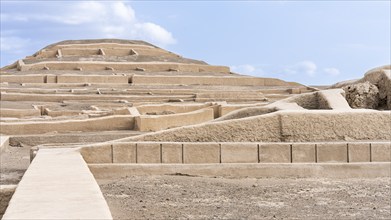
(140,69)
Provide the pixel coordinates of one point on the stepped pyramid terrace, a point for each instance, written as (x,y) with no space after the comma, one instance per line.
(88,125)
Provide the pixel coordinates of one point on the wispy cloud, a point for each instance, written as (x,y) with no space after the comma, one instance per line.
(13,44)
(303,67)
(102,19)
(247,69)
(332,71)
(12,48)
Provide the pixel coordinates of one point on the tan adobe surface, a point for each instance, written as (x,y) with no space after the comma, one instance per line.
(88,111)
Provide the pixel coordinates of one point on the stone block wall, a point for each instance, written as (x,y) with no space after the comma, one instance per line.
(230,152)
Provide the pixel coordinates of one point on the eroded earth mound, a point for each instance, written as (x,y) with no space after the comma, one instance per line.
(362,95)
(373,91)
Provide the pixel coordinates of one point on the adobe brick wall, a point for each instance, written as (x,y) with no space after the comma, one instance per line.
(161,122)
(108,123)
(236,152)
(286,126)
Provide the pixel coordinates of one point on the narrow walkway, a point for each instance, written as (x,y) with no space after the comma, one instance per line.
(58,185)
(4,142)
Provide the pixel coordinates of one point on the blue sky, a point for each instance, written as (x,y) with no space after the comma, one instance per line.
(311,42)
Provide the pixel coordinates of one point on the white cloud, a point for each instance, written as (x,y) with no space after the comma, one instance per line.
(13,44)
(332,71)
(307,67)
(7,17)
(105,19)
(12,48)
(124,12)
(247,69)
(155,33)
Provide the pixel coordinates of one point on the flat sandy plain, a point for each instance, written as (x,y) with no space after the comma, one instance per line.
(194,197)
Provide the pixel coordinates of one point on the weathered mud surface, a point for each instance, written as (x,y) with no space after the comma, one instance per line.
(184,197)
(362,95)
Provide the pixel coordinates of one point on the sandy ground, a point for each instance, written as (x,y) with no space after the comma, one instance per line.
(14,161)
(187,197)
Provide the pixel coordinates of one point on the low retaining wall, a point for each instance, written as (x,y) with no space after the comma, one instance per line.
(22,78)
(97,45)
(107,51)
(147,66)
(195,153)
(61,113)
(144,109)
(96,79)
(240,96)
(225,109)
(208,80)
(80,51)
(66,78)
(61,97)
(229,95)
(96,124)
(336,125)
(285,126)
(161,122)
(76,137)
(260,170)
(19,113)
(144,79)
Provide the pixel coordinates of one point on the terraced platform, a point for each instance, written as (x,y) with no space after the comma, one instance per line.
(55,90)
(114,108)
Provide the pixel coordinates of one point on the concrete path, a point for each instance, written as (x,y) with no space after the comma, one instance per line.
(4,142)
(58,185)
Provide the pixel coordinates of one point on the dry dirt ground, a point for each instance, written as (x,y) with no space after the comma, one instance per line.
(14,161)
(187,197)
